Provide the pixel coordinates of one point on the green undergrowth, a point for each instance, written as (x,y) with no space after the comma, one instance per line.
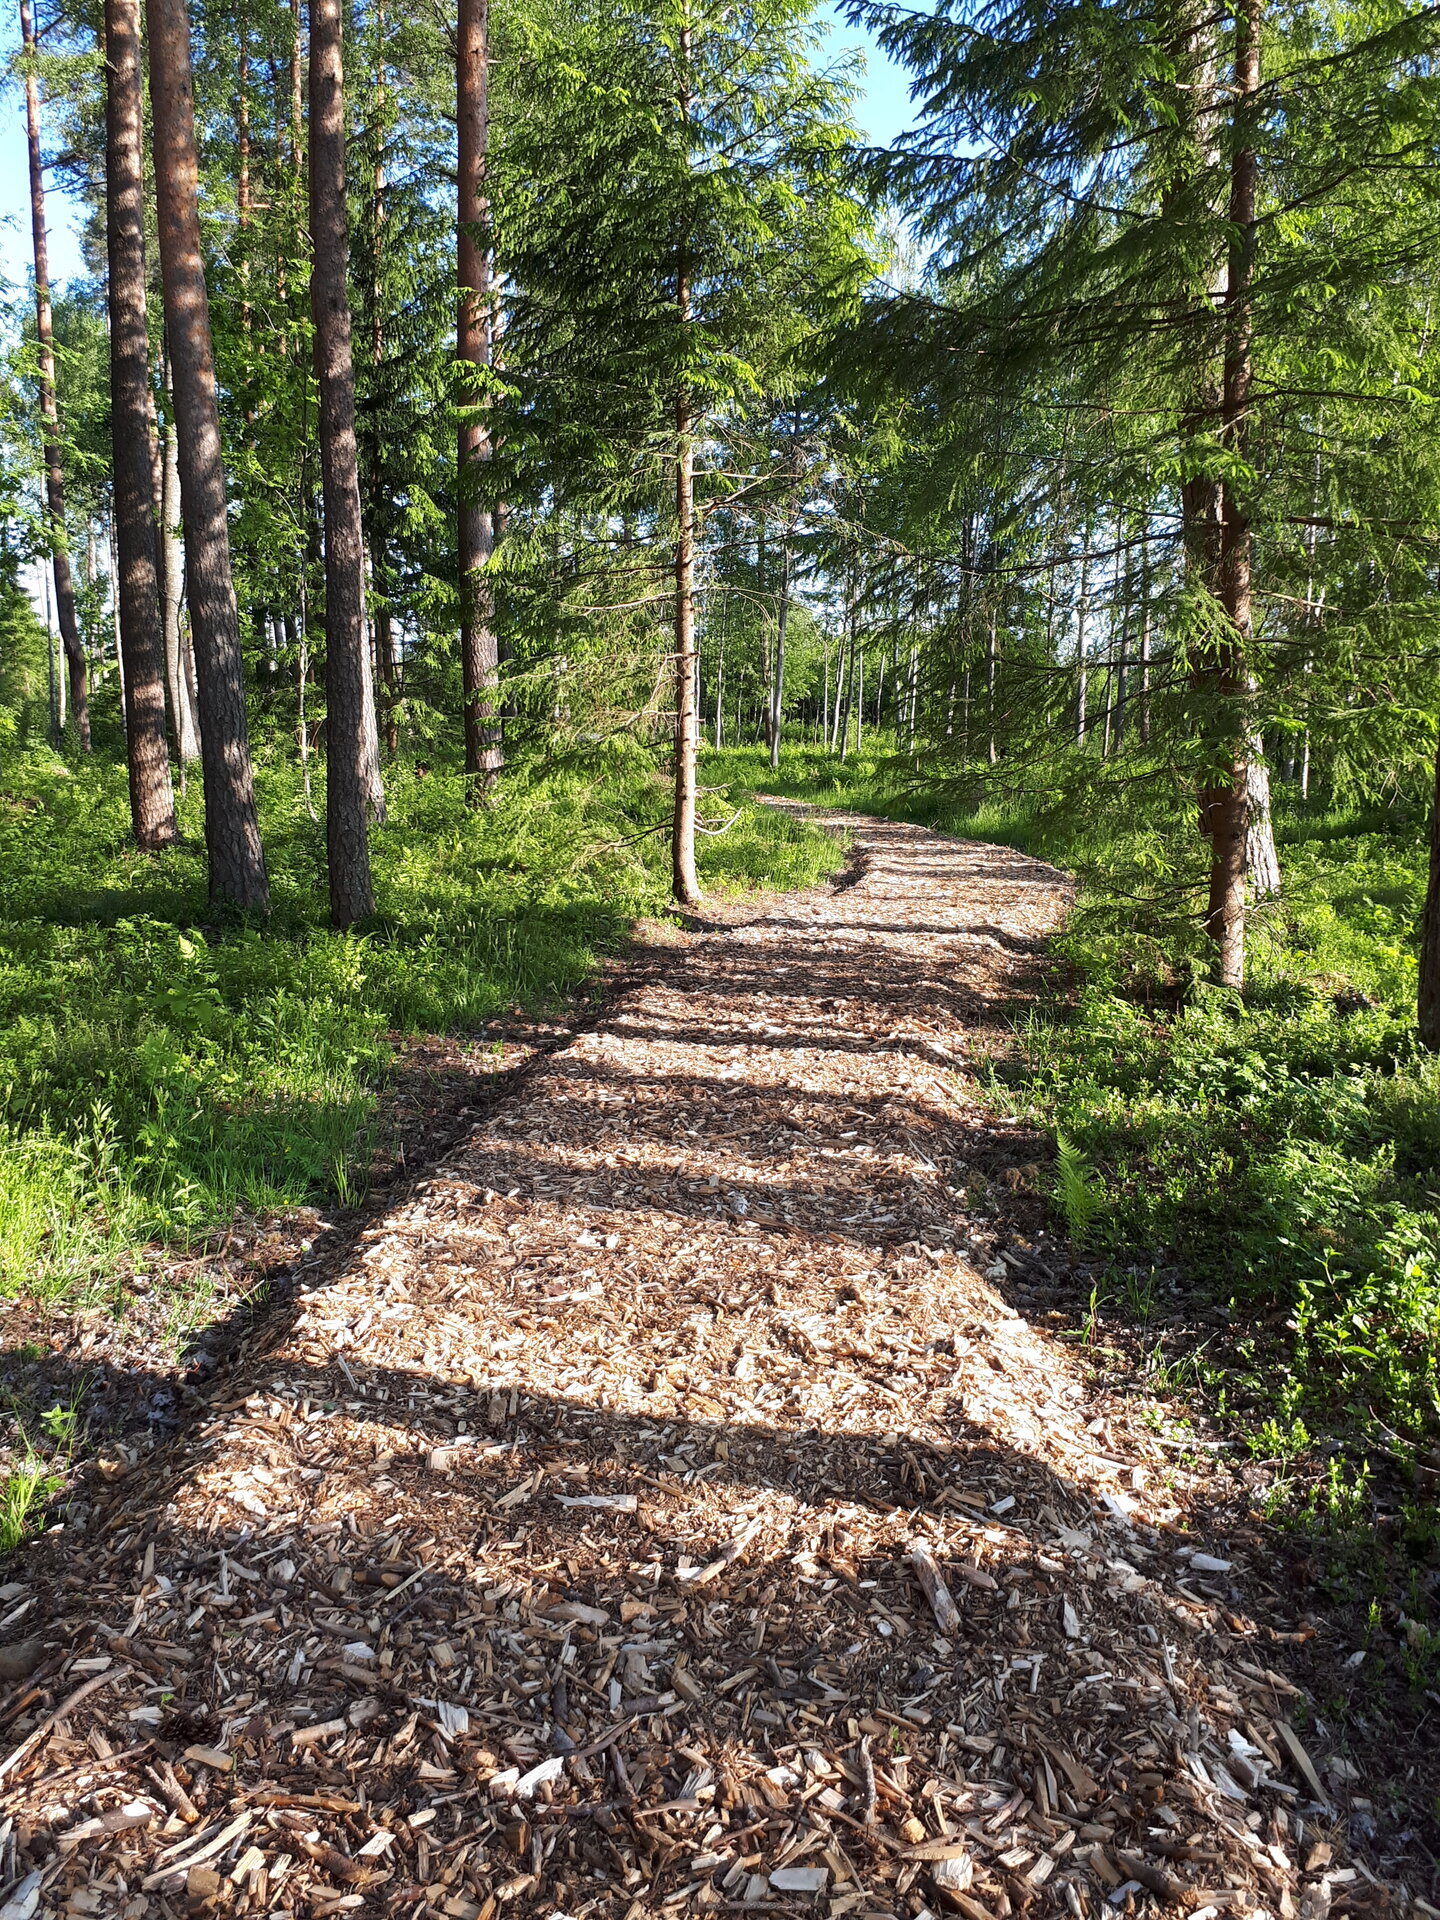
(160,1072)
(1282,1149)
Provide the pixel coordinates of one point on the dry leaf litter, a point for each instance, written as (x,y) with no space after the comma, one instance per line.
(664,1511)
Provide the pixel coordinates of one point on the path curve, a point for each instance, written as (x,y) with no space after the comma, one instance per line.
(574,1550)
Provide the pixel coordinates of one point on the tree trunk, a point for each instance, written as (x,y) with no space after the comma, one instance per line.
(685,881)
(1143,690)
(1122,671)
(777,678)
(49,409)
(242,188)
(1429,1000)
(1082,653)
(297,92)
(347,757)
(56,684)
(112,551)
(1228,800)
(369,716)
(767,658)
(1262,862)
(178,670)
(232,828)
(479,651)
(142,644)
(852,652)
(383,623)
(390,673)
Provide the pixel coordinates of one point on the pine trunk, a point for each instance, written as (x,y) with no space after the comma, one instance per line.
(347,776)
(142,644)
(479,651)
(49,409)
(232,828)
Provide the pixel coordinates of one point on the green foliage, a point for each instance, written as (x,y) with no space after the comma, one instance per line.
(24,689)
(1075,1190)
(1284,1148)
(27,1487)
(156,1074)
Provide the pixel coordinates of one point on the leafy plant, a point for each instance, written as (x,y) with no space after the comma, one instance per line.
(156,1077)
(24,1492)
(1076,1190)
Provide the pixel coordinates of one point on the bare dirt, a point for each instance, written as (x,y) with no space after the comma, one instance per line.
(691,1494)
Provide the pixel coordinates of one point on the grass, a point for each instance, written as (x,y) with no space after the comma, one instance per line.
(1281,1147)
(160,1074)
(25,1492)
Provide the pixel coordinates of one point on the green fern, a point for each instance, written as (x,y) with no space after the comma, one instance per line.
(1076,1191)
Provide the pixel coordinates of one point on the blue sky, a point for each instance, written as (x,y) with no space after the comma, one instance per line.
(883,112)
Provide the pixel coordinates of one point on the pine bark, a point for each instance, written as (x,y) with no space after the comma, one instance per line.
(479,649)
(49,408)
(232,829)
(348,748)
(142,645)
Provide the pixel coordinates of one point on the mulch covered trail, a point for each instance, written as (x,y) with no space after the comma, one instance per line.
(668,1509)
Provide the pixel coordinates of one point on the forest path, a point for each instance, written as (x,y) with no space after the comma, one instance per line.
(557,1554)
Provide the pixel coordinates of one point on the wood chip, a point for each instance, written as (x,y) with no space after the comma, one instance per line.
(385,1578)
(1296,1750)
(942,1605)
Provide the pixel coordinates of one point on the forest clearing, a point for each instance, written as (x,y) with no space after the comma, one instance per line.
(720,962)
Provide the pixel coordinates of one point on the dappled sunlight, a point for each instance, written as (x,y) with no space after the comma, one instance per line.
(665,1504)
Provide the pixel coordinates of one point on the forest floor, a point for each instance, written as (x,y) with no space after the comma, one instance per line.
(688,1495)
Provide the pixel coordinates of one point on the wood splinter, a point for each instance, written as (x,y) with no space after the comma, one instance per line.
(942,1603)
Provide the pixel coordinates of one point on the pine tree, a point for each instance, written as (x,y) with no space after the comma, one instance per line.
(1121,245)
(348,743)
(232,828)
(152,800)
(673,222)
(49,408)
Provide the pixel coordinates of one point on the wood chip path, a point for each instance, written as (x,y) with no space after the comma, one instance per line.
(667,1509)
